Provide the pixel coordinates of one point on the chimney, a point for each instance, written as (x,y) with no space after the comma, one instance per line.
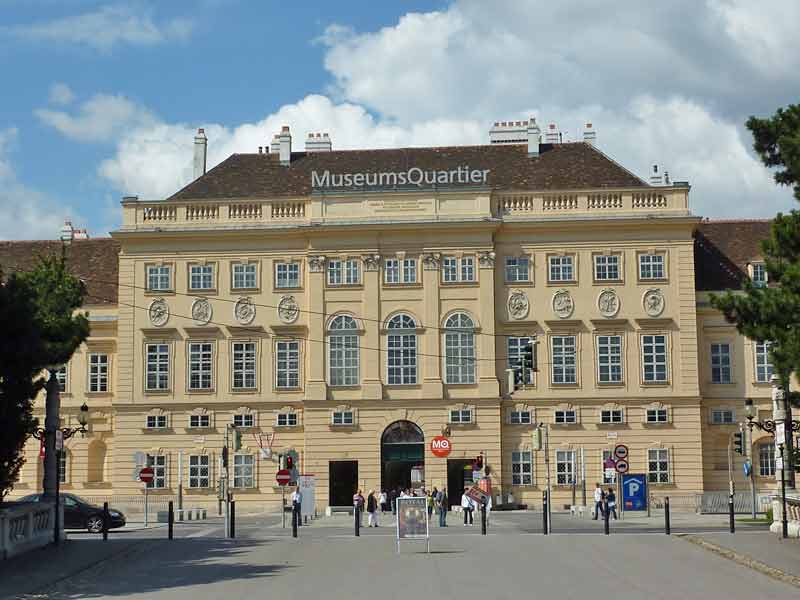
(67,232)
(275,146)
(285,146)
(655,177)
(553,136)
(318,142)
(534,138)
(589,134)
(200,150)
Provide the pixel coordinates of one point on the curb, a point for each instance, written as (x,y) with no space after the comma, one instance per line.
(743,560)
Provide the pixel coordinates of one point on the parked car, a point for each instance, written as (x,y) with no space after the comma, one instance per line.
(80,514)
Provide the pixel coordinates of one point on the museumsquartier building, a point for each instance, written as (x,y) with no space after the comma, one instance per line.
(353,305)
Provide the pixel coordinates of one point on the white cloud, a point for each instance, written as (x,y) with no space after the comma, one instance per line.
(107,27)
(60,93)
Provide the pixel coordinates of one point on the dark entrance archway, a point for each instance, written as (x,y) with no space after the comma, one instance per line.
(402,449)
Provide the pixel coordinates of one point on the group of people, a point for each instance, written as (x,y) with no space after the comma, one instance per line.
(604,500)
(384,501)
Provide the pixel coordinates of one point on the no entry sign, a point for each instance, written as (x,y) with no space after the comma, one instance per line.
(621,451)
(146,475)
(441,446)
(283,477)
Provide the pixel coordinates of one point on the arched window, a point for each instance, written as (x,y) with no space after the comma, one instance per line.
(459,349)
(343,351)
(402,346)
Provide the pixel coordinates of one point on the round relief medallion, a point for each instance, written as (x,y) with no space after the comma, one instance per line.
(608,303)
(653,302)
(202,311)
(518,304)
(288,309)
(159,312)
(244,311)
(563,304)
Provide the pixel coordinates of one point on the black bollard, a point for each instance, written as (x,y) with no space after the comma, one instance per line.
(170,520)
(666,515)
(233,519)
(544,512)
(106,519)
(295,520)
(357,517)
(730,514)
(605,517)
(483,517)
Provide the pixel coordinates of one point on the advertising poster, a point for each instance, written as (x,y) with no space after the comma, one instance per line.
(412,519)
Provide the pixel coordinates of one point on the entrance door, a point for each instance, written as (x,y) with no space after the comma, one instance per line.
(343,478)
(402,449)
(459,476)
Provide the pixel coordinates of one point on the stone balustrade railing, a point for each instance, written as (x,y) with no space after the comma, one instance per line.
(139,214)
(596,203)
(25,526)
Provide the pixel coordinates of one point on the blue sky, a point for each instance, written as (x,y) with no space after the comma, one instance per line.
(100,99)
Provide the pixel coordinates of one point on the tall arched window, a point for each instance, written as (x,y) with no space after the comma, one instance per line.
(459,349)
(343,351)
(402,346)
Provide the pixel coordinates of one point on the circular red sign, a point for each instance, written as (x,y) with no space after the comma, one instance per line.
(441,446)
(146,475)
(283,477)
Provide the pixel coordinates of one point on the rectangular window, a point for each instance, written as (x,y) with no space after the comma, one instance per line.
(343,272)
(759,274)
(654,358)
(565,467)
(244,276)
(244,420)
(455,269)
(203,421)
(401,357)
(62,466)
(200,365)
(722,416)
(720,363)
(658,466)
(159,278)
(763,362)
(449,269)
(287,275)
(391,270)
(467,268)
(287,419)
(515,347)
(201,277)
(766,459)
(287,364)
(611,416)
(98,372)
(520,417)
(342,417)
(565,417)
(609,358)
(609,475)
(461,416)
(561,268)
(521,468)
(564,370)
(244,470)
(399,271)
(199,476)
(409,270)
(343,357)
(651,266)
(606,267)
(61,377)
(157,367)
(244,365)
(657,415)
(158,462)
(156,421)
(517,269)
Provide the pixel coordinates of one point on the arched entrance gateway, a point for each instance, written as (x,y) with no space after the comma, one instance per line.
(402,456)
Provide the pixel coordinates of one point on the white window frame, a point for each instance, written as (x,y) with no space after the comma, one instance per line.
(287,275)
(62,377)
(159,278)
(157,367)
(763,366)
(766,459)
(458,269)
(397,271)
(391,271)
(199,471)
(244,276)
(565,467)
(200,357)
(720,358)
(565,416)
(656,413)
(723,416)
(650,357)
(201,277)
(158,422)
(759,275)
(612,480)
(612,416)
(659,474)
(286,419)
(343,418)
(514,349)
(99,364)
(609,356)
(287,364)
(459,349)
(460,416)
(652,267)
(520,417)
(343,352)
(522,468)
(561,269)
(517,269)
(157,462)
(401,350)
(564,359)
(343,272)
(605,265)
(244,365)
(200,421)
(244,420)
(244,471)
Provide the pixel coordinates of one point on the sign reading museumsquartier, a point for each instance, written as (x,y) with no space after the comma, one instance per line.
(412,177)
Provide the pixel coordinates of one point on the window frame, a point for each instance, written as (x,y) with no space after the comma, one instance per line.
(255,275)
(719,358)
(514,358)
(518,471)
(517,269)
(565,261)
(644,363)
(344,268)
(157,462)
(596,267)
(101,379)
(569,476)
(460,352)
(156,420)
(288,417)
(62,377)
(719,413)
(252,468)
(287,264)
(768,468)
(654,477)
(343,421)
(657,412)
(212,277)
(560,360)
(759,267)
(612,416)
(650,256)
(190,367)
(520,413)
(563,413)
(344,352)
(248,365)
(289,373)
(457,267)
(402,364)
(196,472)
(148,277)
(243,417)
(605,454)
(160,362)
(203,421)
(465,416)
(762,361)
(619,365)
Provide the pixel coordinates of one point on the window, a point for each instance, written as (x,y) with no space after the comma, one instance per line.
(287,364)
(157,367)
(565,467)
(763,362)
(402,351)
(720,363)
(606,267)
(156,421)
(520,417)
(521,468)
(651,266)
(199,471)
(343,351)
(609,358)
(98,372)
(461,416)
(459,349)
(343,272)
(458,269)
(288,419)
(722,416)
(244,365)
(400,271)
(159,278)
(391,270)
(517,269)
(766,459)
(244,276)
(62,466)
(287,275)
(561,268)
(61,377)
(658,465)
(342,417)
(243,470)
(759,274)
(158,462)
(564,359)
(654,358)
(609,475)
(611,416)
(244,420)
(409,270)
(566,417)
(515,347)
(200,421)
(657,415)
(200,355)
(201,277)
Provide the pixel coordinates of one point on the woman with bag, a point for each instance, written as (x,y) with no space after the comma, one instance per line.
(611,499)
(372,509)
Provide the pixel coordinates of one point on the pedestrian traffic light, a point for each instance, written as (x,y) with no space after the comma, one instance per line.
(738,442)
(289,465)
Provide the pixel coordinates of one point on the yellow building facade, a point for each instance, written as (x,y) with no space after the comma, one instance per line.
(353,305)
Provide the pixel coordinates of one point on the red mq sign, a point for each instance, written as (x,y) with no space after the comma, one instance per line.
(441,446)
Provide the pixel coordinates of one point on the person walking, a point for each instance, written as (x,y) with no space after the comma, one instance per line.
(393,495)
(467,506)
(383,499)
(372,509)
(358,504)
(297,503)
(599,495)
(611,502)
(431,502)
(441,506)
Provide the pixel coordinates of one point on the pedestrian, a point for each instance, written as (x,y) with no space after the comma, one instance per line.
(467,506)
(431,502)
(297,503)
(599,495)
(383,499)
(393,495)
(441,504)
(372,509)
(358,505)
(611,502)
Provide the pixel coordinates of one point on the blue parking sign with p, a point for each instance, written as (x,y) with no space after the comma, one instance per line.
(634,491)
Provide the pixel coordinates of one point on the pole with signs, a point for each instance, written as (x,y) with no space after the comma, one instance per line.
(146,476)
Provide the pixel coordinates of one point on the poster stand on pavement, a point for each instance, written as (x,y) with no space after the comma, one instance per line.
(412,520)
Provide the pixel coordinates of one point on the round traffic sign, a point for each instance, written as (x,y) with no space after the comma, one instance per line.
(146,475)
(622,466)
(283,477)
(621,451)
(441,446)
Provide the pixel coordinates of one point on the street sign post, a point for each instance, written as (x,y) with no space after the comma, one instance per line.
(146,475)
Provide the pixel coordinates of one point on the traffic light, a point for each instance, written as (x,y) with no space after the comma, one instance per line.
(289,464)
(225,457)
(738,442)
